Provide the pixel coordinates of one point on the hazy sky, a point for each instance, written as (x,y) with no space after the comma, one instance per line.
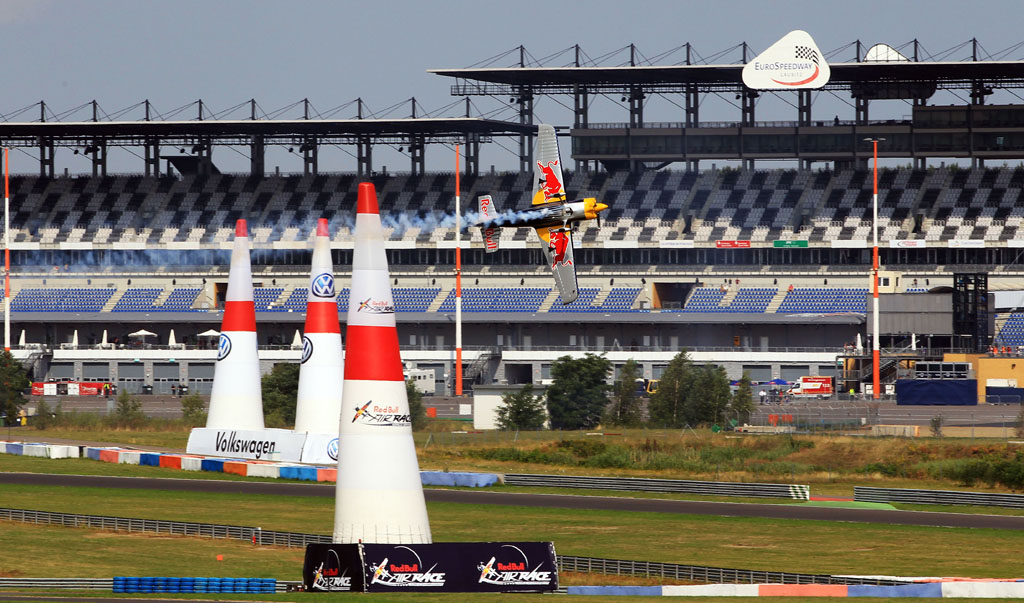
(226,52)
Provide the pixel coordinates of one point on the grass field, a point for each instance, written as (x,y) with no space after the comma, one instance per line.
(790,545)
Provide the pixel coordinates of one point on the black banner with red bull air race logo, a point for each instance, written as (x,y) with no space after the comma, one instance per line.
(439,567)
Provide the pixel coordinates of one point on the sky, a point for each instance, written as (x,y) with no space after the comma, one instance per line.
(120,52)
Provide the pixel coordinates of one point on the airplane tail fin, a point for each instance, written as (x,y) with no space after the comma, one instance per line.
(488,213)
(547,168)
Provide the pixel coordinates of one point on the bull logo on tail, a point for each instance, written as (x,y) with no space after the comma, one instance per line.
(550,183)
(558,244)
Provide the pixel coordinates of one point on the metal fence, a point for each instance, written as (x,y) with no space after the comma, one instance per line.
(697,573)
(156,526)
(938,497)
(567,563)
(638,484)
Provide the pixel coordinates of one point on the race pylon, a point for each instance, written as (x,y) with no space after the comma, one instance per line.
(379,496)
(236,401)
(320,377)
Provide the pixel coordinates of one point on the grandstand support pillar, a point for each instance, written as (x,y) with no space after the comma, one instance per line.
(581,101)
(364,157)
(417,157)
(152,157)
(99,158)
(861,110)
(472,152)
(636,106)
(46,157)
(803,107)
(257,156)
(525,101)
(310,152)
(748,100)
(692,98)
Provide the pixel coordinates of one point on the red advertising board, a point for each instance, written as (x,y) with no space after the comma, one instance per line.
(68,388)
(732,244)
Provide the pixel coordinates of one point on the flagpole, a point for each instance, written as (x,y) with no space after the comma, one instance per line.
(458,281)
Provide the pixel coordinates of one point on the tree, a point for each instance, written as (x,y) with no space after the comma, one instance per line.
(193,409)
(579,391)
(666,407)
(280,388)
(13,383)
(128,412)
(521,410)
(625,408)
(742,405)
(417,413)
(689,394)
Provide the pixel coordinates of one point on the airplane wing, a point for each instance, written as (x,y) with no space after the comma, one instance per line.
(547,168)
(487,212)
(557,246)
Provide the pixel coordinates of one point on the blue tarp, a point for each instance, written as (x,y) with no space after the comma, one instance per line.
(149,458)
(931,590)
(13,448)
(1004,395)
(303,473)
(212,465)
(457,478)
(937,392)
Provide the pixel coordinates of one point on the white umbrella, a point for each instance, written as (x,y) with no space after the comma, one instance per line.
(21,340)
(74,339)
(142,333)
(913,341)
(297,340)
(103,342)
(170,339)
(209,333)
(859,346)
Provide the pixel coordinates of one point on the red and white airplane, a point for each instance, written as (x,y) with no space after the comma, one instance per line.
(551,215)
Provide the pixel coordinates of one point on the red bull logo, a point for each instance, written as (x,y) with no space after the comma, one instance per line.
(558,244)
(550,183)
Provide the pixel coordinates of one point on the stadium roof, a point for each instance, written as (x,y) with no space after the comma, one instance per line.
(951,74)
(11,132)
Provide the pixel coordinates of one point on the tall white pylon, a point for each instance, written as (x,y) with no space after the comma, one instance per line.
(379,496)
(237,401)
(318,408)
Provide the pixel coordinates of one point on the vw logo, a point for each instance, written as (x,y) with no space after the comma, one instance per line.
(323,285)
(332,449)
(224,347)
(307,349)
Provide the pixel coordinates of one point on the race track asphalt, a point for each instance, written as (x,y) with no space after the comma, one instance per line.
(560,501)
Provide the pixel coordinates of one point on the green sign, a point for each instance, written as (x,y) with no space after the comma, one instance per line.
(789,244)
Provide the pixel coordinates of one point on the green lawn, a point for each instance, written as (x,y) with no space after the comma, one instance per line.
(790,545)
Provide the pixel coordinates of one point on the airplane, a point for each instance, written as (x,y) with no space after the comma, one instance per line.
(551,214)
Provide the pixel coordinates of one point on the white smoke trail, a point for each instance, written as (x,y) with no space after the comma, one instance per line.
(471,219)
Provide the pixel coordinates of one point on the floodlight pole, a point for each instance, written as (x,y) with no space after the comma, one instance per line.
(7,251)
(458,281)
(875,340)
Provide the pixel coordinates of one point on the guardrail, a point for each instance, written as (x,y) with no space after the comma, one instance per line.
(938,497)
(567,563)
(639,484)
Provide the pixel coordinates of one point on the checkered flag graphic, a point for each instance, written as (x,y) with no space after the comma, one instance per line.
(804,52)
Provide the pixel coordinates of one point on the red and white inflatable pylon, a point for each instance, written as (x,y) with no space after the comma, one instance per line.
(236,401)
(320,377)
(379,495)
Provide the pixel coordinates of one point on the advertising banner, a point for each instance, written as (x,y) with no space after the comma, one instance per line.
(438,567)
(258,444)
(792,63)
(966,243)
(333,568)
(732,244)
(908,243)
(320,449)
